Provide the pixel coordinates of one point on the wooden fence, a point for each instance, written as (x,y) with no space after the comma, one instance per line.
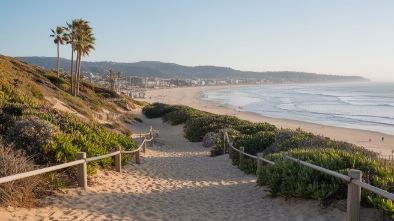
(82,161)
(387,157)
(353,179)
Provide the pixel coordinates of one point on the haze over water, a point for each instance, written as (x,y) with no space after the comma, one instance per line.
(366,106)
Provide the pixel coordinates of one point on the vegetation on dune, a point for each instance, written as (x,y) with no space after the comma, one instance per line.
(33,135)
(287,178)
(22,192)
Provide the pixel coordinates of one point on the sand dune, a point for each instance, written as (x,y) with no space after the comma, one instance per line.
(177,181)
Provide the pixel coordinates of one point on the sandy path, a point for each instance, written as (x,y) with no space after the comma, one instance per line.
(177,181)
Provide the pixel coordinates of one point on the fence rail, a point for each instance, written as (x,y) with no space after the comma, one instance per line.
(387,157)
(354,177)
(82,161)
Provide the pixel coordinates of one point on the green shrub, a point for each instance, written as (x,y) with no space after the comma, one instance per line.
(289,178)
(15,109)
(255,143)
(30,135)
(287,139)
(91,138)
(154,110)
(181,114)
(197,127)
(249,128)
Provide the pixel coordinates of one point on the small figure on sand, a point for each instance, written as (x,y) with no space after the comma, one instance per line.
(382,138)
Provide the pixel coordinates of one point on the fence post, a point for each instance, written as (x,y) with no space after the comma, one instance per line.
(259,162)
(353,196)
(140,135)
(241,157)
(230,151)
(144,147)
(137,157)
(224,142)
(82,171)
(118,159)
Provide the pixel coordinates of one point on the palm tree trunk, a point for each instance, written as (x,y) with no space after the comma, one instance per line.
(71,72)
(79,73)
(58,60)
(76,80)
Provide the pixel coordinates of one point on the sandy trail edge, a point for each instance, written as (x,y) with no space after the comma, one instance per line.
(190,96)
(177,181)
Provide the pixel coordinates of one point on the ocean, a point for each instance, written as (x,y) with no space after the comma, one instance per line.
(366,106)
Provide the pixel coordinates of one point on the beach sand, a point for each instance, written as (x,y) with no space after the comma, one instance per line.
(190,96)
(177,181)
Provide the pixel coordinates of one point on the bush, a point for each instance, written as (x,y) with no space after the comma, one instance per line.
(255,143)
(155,110)
(22,192)
(14,109)
(287,139)
(291,179)
(130,118)
(218,144)
(249,128)
(30,135)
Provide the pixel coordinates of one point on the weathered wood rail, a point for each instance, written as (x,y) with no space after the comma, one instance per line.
(82,161)
(387,157)
(353,178)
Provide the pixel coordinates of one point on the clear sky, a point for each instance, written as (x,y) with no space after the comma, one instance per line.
(343,37)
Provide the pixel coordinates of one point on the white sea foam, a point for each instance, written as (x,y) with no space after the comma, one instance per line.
(363,106)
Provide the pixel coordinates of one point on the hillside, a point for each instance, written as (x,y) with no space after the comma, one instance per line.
(170,70)
(28,92)
(42,87)
(41,124)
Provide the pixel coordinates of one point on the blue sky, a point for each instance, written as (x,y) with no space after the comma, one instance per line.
(328,37)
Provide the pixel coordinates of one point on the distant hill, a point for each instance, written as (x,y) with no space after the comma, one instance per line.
(171,70)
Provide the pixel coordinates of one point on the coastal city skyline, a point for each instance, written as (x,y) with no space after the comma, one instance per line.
(336,37)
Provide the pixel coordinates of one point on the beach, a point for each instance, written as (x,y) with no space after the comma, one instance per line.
(190,96)
(177,181)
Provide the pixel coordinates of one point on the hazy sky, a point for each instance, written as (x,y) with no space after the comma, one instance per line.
(320,36)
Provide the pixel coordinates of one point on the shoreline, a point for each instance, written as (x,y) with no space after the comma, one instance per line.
(191,96)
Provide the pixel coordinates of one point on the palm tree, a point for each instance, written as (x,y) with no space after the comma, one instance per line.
(71,32)
(60,38)
(84,44)
(82,41)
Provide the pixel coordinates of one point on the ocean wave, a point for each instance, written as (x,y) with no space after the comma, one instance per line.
(356,106)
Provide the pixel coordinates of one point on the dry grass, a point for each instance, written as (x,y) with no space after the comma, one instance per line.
(22,192)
